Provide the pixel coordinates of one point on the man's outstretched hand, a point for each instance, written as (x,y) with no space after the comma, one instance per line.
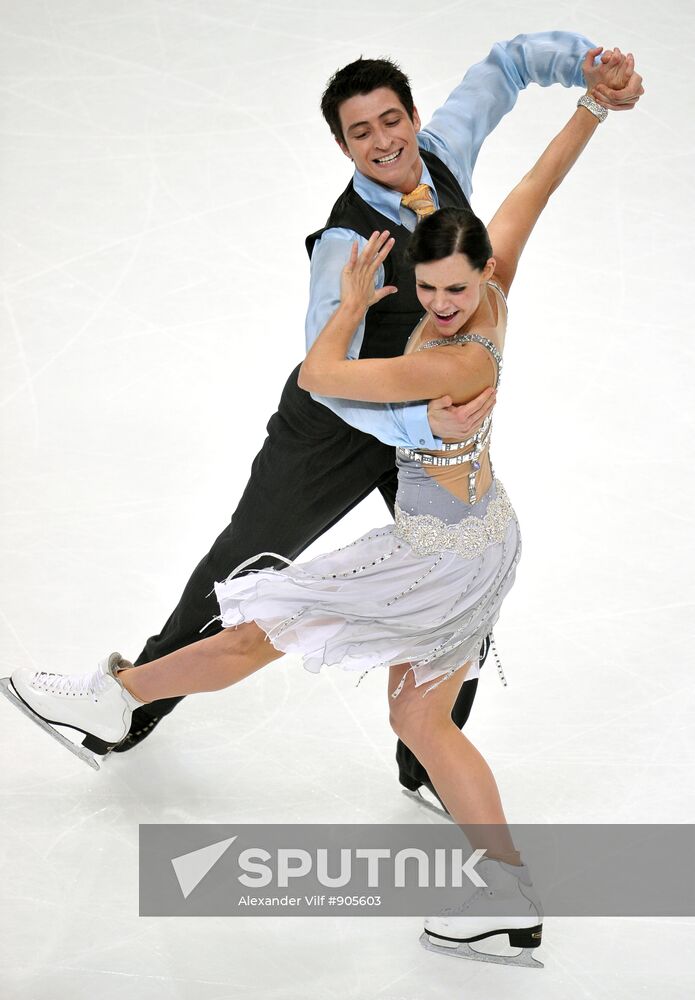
(613,81)
(459,422)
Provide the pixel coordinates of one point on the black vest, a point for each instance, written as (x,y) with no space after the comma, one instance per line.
(391,321)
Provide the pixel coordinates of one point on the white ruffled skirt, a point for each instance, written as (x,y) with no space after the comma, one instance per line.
(384,600)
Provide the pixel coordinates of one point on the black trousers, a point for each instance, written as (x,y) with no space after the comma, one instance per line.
(312,469)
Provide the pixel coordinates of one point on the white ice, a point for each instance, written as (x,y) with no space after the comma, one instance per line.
(151,311)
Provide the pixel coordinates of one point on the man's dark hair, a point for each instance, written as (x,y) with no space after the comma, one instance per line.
(362,77)
(450,231)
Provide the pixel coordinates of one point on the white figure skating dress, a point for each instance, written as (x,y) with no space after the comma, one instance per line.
(426,590)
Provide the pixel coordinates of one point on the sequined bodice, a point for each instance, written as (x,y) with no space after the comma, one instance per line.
(411,461)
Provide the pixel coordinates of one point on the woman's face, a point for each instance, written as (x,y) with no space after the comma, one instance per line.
(449,290)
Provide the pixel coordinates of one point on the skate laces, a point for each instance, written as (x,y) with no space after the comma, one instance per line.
(79,685)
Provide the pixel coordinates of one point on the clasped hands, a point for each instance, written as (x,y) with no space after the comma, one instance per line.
(612,81)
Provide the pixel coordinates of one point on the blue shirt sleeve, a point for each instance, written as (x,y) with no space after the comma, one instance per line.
(490,88)
(402,424)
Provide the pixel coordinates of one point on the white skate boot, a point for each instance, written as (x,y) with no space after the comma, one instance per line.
(96,705)
(487,911)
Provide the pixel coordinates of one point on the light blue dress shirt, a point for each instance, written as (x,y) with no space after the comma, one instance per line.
(457,131)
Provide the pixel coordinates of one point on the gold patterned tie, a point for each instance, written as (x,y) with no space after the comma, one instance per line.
(420,201)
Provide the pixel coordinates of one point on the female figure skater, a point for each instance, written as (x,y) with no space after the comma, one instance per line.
(418,596)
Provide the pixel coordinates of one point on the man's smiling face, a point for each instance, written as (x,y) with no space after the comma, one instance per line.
(381,139)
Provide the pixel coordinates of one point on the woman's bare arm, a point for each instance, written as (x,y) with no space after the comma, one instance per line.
(461,372)
(514,220)
(517,215)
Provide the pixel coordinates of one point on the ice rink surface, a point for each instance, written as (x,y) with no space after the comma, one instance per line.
(152,307)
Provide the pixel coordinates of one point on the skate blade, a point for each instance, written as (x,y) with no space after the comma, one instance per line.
(418,797)
(79,751)
(463,950)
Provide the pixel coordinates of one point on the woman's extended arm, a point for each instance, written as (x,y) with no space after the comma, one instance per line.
(514,220)
(461,374)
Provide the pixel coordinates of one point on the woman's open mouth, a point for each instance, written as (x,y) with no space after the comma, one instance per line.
(445,318)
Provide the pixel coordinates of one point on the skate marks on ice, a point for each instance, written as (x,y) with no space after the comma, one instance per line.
(462,949)
(82,752)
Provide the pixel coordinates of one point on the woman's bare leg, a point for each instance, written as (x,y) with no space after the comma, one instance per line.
(458,771)
(208,665)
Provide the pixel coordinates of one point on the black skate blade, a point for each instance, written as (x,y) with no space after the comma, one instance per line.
(418,797)
(79,751)
(524,959)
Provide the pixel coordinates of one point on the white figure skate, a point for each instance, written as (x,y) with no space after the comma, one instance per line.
(96,705)
(486,912)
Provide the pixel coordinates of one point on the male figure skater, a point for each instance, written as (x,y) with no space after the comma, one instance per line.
(320,457)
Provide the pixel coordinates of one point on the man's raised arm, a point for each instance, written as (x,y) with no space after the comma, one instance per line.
(490,88)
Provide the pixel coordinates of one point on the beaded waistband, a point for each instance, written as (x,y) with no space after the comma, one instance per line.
(427,534)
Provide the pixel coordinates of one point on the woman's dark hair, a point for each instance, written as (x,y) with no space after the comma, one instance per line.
(362,77)
(450,231)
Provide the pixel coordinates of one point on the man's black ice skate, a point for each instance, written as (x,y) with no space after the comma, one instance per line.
(428,799)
